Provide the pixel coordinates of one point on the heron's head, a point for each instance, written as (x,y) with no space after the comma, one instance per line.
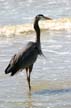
(42,17)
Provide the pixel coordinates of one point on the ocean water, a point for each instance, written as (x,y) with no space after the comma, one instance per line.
(23,11)
(51,75)
(50,78)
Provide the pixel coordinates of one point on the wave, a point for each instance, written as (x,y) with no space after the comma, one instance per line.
(55,24)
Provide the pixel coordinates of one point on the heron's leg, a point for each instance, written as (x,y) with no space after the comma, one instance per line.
(30,70)
(27,73)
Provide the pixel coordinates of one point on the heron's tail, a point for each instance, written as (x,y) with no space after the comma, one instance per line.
(8,69)
(11,69)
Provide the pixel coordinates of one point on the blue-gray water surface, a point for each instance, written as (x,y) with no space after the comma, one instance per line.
(50,78)
(51,75)
(22,11)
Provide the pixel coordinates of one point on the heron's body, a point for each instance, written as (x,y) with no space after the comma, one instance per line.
(22,59)
(28,55)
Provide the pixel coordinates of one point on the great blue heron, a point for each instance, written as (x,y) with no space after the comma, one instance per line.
(26,58)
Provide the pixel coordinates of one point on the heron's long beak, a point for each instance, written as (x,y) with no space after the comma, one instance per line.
(47,18)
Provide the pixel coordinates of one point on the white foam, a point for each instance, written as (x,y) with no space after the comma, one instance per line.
(57,24)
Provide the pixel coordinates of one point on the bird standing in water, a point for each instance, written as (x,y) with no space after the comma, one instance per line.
(27,57)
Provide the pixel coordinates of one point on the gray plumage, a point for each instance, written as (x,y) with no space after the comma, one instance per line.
(28,55)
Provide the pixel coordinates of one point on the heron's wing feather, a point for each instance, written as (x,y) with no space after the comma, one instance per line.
(23,54)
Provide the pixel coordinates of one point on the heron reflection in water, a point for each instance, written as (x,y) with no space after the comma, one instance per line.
(26,58)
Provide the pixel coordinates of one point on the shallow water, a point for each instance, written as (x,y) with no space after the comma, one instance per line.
(51,75)
(50,78)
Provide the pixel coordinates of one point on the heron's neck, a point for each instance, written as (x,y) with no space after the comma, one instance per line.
(37,29)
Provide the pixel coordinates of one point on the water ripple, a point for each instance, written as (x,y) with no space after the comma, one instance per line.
(53,92)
